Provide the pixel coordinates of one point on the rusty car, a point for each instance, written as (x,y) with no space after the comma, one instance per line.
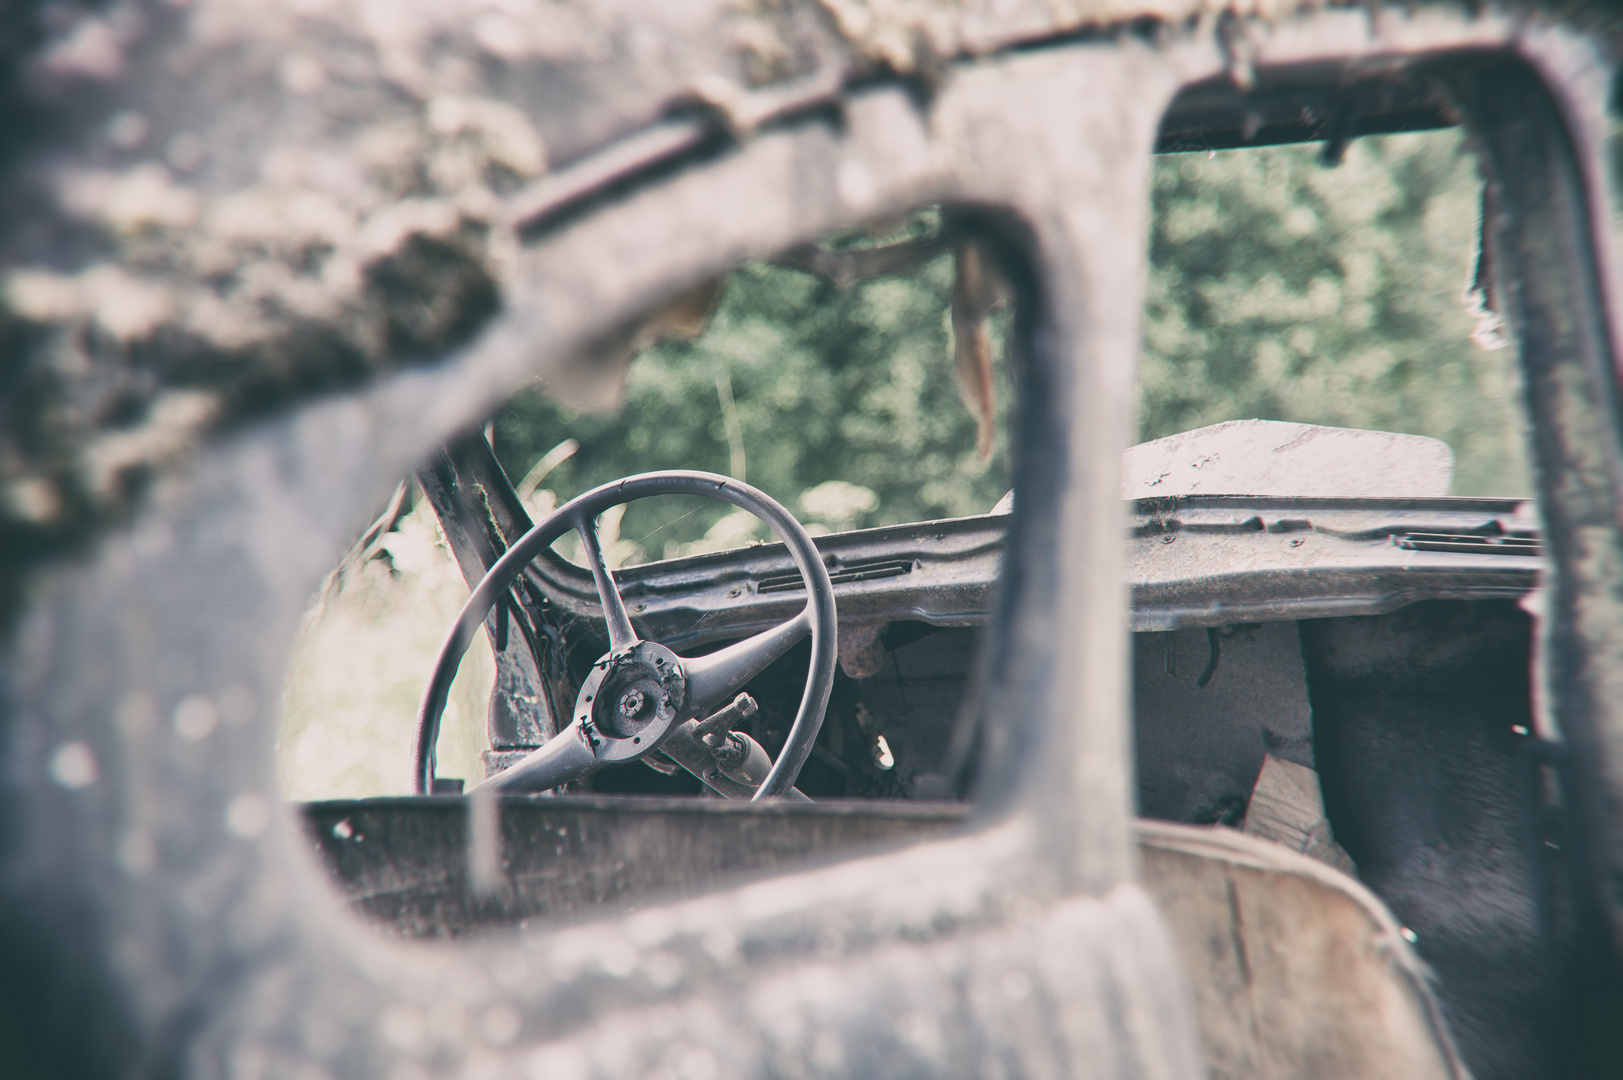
(1302,766)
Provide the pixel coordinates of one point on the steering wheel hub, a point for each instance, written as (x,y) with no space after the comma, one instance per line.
(628,703)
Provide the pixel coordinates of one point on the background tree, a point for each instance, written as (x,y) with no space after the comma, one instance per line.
(1285,290)
(1278,288)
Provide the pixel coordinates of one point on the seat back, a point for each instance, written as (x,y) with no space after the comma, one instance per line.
(1297,969)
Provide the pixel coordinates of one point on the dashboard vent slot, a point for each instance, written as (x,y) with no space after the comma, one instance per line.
(845,575)
(1470,543)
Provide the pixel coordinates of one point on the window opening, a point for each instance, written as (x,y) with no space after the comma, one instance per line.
(1347,296)
(858,379)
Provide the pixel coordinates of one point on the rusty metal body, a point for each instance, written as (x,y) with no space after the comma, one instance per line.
(161,917)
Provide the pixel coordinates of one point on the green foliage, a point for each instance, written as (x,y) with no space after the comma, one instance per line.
(1284,290)
(849,385)
(349,706)
(1278,288)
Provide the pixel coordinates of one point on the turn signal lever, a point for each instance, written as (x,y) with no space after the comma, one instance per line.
(728,761)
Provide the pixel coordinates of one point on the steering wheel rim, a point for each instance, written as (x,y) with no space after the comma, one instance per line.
(706,681)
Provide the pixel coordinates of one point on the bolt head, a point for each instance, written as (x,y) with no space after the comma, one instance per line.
(632,703)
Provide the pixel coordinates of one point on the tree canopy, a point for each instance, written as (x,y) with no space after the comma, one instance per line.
(1278,288)
(1285,290)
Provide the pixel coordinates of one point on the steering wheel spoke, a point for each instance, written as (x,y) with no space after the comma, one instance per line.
(566,756)
(621,635)
(717,676)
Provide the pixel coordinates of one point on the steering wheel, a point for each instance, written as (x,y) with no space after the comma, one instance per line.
(641,696)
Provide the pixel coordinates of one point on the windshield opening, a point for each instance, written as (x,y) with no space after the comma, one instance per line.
(1282,288)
